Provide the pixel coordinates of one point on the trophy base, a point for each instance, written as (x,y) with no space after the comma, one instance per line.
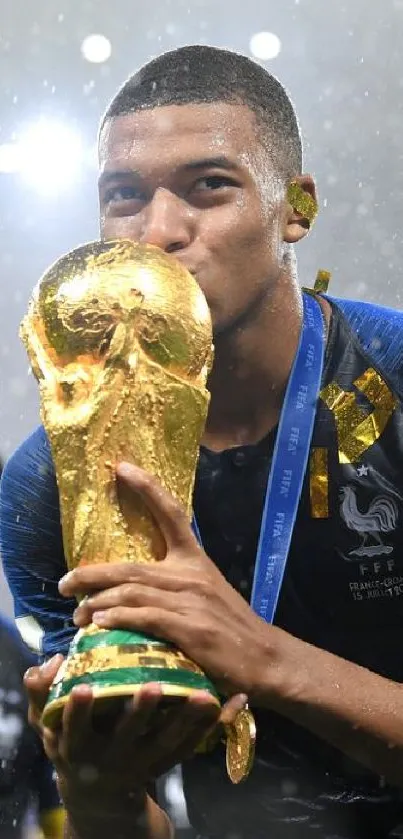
(117,664)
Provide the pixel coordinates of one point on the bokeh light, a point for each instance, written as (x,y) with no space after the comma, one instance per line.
(96,48)
(48,156)
(265,45)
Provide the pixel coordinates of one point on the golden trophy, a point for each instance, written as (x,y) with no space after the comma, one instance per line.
(119,338)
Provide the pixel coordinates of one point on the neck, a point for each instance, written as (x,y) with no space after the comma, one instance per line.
(252,364)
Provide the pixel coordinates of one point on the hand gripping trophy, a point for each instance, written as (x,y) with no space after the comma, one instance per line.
(119,338)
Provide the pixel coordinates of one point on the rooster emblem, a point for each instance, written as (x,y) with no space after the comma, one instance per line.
(380,517)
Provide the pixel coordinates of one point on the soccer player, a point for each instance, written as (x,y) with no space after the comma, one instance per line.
(295,605)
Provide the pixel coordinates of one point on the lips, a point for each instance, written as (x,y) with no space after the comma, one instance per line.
(191,270)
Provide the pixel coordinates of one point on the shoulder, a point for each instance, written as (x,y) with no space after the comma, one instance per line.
(32,455)
(28,483)
(379,331)
(31,546)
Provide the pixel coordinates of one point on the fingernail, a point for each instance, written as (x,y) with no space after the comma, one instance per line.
(64,581)
(99,618)
(47,665)
(77,617)
(30,673)
(127,470)
(203,696)
(82,691)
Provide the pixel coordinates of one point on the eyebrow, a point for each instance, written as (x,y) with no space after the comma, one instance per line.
(221,162)
(209,162)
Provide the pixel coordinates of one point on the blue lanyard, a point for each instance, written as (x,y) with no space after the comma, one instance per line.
(290,458)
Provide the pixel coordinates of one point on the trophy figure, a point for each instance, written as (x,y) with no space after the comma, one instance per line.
(119,338)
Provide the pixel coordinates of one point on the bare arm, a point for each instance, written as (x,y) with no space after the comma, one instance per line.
(354,709)
(137,818)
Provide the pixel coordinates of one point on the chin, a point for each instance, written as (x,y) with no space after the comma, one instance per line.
(216,316)
(222,321)
(223,326)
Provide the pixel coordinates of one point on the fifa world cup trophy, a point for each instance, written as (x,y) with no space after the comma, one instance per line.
(119,338)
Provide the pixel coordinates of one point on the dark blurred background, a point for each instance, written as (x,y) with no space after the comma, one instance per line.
(60,62)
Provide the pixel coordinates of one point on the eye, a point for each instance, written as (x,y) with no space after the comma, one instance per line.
(213,182)
(118,194)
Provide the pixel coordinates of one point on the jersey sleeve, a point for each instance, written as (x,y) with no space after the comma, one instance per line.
(31,547)
(379,331)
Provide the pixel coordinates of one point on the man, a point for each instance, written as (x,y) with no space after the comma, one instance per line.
(26,776)
(197,155)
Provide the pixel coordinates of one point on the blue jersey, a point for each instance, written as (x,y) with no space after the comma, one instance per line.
(342,591)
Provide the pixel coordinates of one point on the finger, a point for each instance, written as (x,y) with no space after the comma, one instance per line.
(76,723)
(188,727)
(37,682)
(106,575)
(50,741)
(168,513)
(139,711)
(157,622)
(137,720)
(102,575)
(128,595)
(232,708)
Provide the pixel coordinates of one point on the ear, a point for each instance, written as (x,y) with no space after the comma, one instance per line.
(301,209)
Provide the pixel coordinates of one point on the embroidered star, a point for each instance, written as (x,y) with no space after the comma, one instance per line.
(362,471)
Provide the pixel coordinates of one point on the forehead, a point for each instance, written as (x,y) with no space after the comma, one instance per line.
(172,134)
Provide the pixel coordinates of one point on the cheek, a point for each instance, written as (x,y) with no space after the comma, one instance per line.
(123,227)
(248,238)
(264,243)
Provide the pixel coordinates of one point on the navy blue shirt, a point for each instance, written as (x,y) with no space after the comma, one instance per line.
(342,591)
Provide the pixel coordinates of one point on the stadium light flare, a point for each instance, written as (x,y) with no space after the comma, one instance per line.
(47,156)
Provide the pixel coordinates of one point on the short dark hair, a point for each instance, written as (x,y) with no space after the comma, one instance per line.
(202,74)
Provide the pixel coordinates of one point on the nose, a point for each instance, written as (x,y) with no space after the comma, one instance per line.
(167,222)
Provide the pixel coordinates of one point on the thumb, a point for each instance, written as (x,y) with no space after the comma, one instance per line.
(167,512)
(232,707)
(37,682)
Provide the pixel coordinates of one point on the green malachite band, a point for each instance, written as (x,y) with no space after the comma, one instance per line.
(112,638)
(133,676)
